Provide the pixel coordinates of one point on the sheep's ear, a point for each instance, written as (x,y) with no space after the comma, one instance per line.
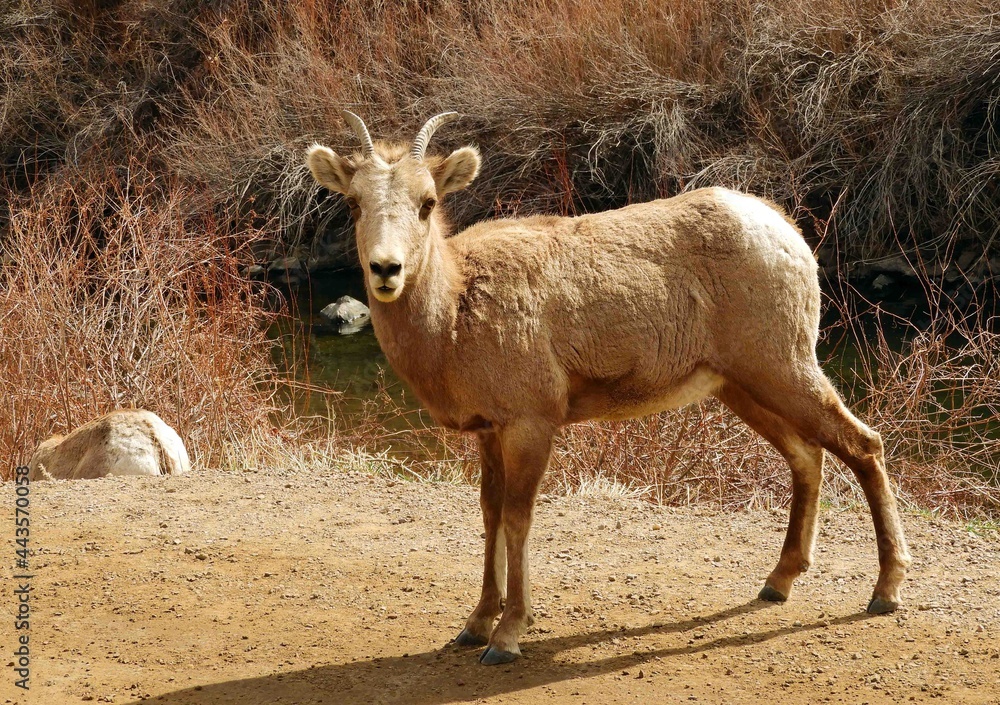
(457,171)
(329,169)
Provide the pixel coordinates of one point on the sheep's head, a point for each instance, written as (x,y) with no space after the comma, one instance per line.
(392,195)
(45,448)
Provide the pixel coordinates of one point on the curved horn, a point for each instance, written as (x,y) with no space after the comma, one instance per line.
(358,125)
(427,131)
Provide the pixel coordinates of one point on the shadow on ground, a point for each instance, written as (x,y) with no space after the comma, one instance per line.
(451,674)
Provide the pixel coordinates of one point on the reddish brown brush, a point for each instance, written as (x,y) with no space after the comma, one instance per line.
(114,297)
(877,112)
(874,117)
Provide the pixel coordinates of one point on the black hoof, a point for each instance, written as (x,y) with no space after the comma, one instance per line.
(493,656)
(771,595)
(880,606)
(467,638)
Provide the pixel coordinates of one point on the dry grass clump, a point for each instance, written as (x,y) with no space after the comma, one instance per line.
(113,296)
(699,454)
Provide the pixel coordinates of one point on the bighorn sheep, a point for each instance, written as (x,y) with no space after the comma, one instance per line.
(505,330)
(124,442)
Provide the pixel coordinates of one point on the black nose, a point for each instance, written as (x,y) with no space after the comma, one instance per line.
(386,269)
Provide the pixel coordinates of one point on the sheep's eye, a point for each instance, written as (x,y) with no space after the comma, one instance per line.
(427,207)
(352,204)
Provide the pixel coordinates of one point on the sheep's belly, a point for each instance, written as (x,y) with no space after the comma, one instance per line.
(629,399)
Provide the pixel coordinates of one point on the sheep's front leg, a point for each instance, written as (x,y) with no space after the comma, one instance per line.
(491,488)
(526,448)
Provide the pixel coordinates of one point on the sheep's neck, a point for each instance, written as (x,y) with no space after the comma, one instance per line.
(416,331)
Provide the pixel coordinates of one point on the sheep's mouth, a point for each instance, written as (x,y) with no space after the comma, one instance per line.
(386,293)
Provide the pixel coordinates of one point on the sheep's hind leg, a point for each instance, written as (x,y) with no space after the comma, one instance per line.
(480,623)
(861,450)
(806,462)
(526,450)
(810,402)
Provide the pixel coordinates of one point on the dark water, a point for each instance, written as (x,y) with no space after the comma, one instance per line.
(351,364)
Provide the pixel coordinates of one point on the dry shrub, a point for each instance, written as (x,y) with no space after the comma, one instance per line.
(699,454)
(872,116)
(875,117)
(113,296)
(873,121)
(933,391)
(937,403)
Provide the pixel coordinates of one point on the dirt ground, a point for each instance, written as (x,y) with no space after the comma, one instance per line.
(302,588)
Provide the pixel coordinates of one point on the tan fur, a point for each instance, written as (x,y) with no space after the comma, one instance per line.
(125,442)
(513,328)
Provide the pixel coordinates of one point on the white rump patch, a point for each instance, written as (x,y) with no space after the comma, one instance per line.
(765,225)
